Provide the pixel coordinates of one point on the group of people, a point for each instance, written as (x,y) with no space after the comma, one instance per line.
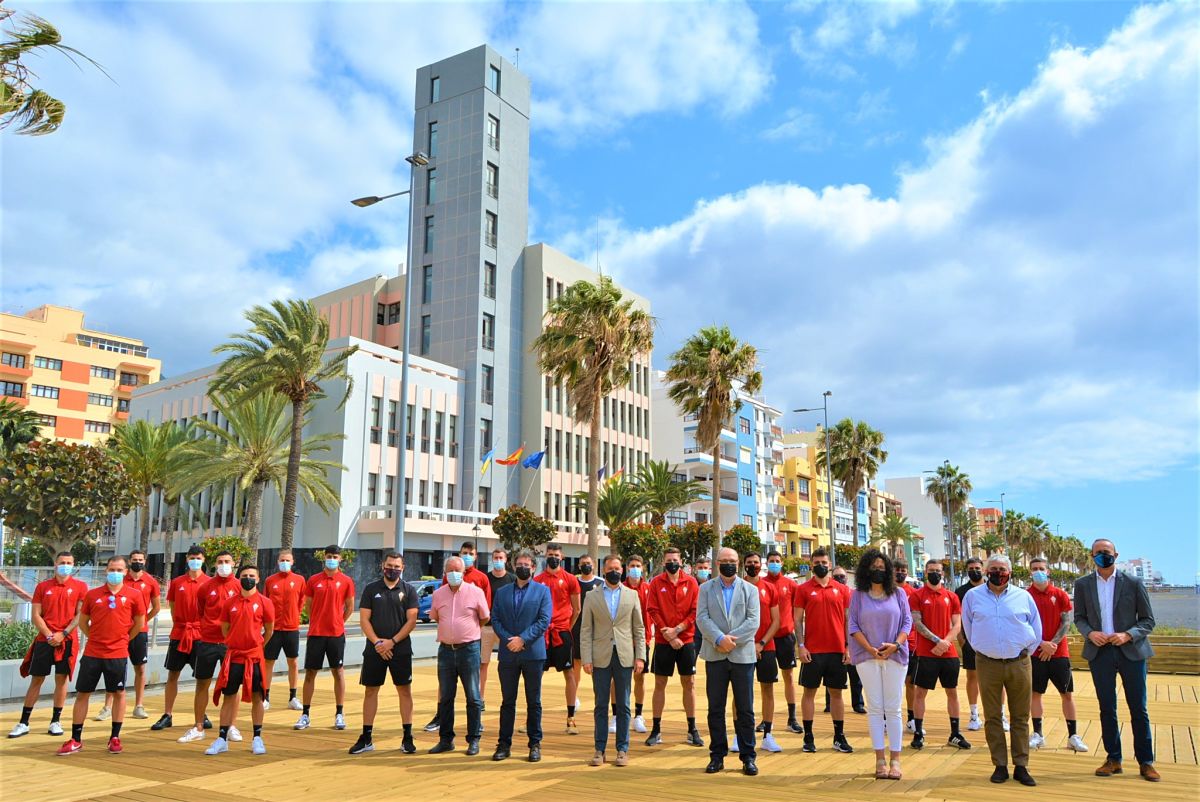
(873,632)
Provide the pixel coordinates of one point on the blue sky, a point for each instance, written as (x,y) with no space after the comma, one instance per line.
(976,223)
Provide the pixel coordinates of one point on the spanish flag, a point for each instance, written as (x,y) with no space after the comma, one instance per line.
(616,476)
(513,458)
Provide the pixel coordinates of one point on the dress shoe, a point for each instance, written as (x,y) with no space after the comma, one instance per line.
(1149,772)
(535,754)
(1109,768)
(1000,775)
(501,753)
(862,711)
(715,766)
(750,768)
(473,747)
(442,746)
(1021,775)
(597,759)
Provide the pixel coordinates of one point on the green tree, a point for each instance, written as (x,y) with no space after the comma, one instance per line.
(662,492)
(742,539)
(18,426)
(592,333)
(702,380)
(175,437)
(990,544)
(140,447)
(646,540)
(32,552)
(620,503)
(285,350)
(966,529)
(59,493)
(694,540)
(520,528)
(856,453)
(848,557)
(254,452)
(895,531)
(233,544)
(951,489)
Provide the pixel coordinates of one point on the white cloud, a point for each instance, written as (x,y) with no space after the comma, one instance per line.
(1025,304)
(831,35)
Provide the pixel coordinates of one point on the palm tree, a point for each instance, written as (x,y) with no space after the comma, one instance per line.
(284,351)
(255,452)
(620,503)
(139,446)
(174,438)
(966,529)
(592,333)
(662,492)
(1012,528)
(990,544)
(703,376)
(1034,537)
(857,452)
(950,488)
(18,426)
(894,530)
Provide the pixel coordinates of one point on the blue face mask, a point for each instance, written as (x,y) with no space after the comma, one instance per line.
(1104,560)
(195,565)
(703,574)
(64,569)
(285,567)
(331,563)
(468,559)
(1040,577)
(115,577)
(774,568)
(497,565)
(454,578)
(635,573)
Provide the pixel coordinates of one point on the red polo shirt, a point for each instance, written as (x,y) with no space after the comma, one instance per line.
(286,592)
(1052,603)
(209,599)
(768,597)
(673,604)
(785,592)
(643,592)
(824,615)
(59,601)
(246,616)
(150,590)
(936,606)
(110,618)
(329,594)
(562,587)
(183,596)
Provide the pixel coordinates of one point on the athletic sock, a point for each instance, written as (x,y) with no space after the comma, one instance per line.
(570,711)
(26,712)
(367,728)
(306,709)
(791,712)
(77,732)
(257,730)
(808,730)
(266,696)
(657,726)
(838,729)
(116,729)
(917,725)
(407,730)
(637,709)
(910,715)
(54,716)
(953,726)
(291,694)
(223,732)
(614,708)
(974,711)
(1070,727)
(1037,726)
(766,728)
(691,723)
(339,710)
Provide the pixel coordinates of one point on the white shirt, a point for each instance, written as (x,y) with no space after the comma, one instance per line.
(1107,589)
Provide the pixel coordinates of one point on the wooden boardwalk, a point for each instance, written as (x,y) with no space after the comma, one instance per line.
(314,765)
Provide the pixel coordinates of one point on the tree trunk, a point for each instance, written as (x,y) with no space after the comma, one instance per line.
(169,539)
(716,498)
(290,488)
(144,535)
(593,507)
(252,526)
(657,519)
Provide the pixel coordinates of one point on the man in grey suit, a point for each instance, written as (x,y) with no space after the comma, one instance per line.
(728,615)
(612,647)
(1112,611)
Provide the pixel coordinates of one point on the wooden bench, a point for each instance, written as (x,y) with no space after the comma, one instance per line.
(1173,654)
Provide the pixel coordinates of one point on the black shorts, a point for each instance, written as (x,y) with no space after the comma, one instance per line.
(92,668)
(826,668)
(910,673)
(176,659)
(934,670)
(1056,670)
(322,649)
(375,669)
(767,669)
(207,655)
(43,660)
(968,656)
(139,649)
(237,675)
(559,657)
(666,660)
(575,654)
(287,642)
(785,651)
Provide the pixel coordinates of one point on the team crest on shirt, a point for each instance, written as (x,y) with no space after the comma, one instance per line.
(254,607)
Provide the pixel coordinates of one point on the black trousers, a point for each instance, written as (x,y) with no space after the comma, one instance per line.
(720,675)
(529,671)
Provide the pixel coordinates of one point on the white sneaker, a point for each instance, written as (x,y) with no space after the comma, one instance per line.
(339,722)
(257,747)
(266,704)
(235,734)
(974,724)
(104,715)
(191,736)
(140,712)
(770,744)
(19,730)
(294,704)
(1036,741)
(301,723)
(639,724)
(1076,743)
(910,726)
(578,704)
(217,747)
(55,728)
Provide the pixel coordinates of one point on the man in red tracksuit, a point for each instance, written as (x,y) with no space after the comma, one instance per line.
(210,649)
(246,622)
(673,598)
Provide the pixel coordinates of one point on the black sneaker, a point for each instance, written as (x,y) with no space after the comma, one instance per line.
(809,746)
(957,740)
(655,738)
(694,738)
(762,727)
(918,742)
(408,747)
(796,727)
(363,744)
(433,726)
(207,723)
(840,744)
(164,722)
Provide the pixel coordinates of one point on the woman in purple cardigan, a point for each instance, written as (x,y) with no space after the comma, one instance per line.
(880,623)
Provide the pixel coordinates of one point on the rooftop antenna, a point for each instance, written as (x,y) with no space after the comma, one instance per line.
(517,58)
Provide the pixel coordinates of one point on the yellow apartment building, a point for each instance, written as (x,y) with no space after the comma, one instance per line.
(78,380)
(804,524)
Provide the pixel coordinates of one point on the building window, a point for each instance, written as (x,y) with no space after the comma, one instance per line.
(439,424)
(425,414)
(452,436)
(433,137)
(426,333)
(431,185)
(676,518)
(805,548)
(389,487)
(393,313)
(436,501)
(489,280)
(13,360)
(45,362)
(103,373)
(485,499)
(376,422)
(43,391)
(549,290)
(427,284)
(423,492)
(493,132)
(548,392)
(123,405)
(12,389)
(802,487)
(489,332)
(486,382)
(130,380)
(100,400)
(748,520)
(429,234)
(380,313)
(372,489)
(492,176)
(48,421)
(494,78)
(104,344)
(744,425)
(393,422)
(491,224)
(409,433)
(485,434)
(97,426)
(747,487)
(450,496)
(435,89)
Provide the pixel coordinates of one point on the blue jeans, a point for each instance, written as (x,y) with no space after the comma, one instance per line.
(454,666)
(602,679)
(529,671)
(1105,666)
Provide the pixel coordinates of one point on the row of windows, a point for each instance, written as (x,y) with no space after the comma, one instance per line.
(625,417)
(104,344)
(12,389)
(49,363)
(423,498)
(12,360)
(444,439)
(43,391)
(97,426)
(571,453)
(47,420)
(387,314)
(100,399)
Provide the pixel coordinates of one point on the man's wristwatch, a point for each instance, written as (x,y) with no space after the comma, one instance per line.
(762,643)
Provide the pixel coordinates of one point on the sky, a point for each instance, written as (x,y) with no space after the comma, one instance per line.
(974,223)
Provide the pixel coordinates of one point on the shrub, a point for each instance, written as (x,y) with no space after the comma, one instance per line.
(645,540)
(15,640)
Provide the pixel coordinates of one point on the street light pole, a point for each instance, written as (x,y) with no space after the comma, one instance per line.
(828,473)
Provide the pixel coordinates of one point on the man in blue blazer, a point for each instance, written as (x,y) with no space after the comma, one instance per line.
(520,618)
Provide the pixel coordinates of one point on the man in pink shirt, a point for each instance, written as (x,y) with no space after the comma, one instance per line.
(460,610)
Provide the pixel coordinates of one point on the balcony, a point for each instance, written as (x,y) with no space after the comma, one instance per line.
(777,431)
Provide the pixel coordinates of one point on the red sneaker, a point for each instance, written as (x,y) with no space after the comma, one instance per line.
(70,747)
(114,745)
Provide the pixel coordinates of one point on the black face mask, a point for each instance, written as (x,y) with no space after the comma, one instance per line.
(523,572)
(839,578)
(934,578)
(727,569)
(901,578)
(391,574)
(249,582)
(997,578)
(553,562)
(585,570)
(975,575)
(672,567)
(752,570)
(879,576)
(137,568)
(821,570)
(612,577)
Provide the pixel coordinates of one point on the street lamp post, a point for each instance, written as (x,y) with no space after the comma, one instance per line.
(1003,523)
(416,160)
(944,481)
(828,472)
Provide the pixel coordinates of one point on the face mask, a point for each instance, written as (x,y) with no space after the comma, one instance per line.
(224,569)
(454,578)
(839,578)
(285,567)
(774,568)
(115,577)
(975,575)
(901,578)
(703,574)
(612,577)
(64,569)
(878,576)
(523,572)
(1040,577)
(391,574)
(1104,560)
(997,578)
(249,583)
(727,570)
(821,570)
(137,568)
(635,572)
(752,570)
(933,578)
(332,563)
(553,562)
(468,560)
(497,565)
(672,567)
(585,570)
(195,565)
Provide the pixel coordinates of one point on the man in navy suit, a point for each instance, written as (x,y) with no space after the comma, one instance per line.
(520,618)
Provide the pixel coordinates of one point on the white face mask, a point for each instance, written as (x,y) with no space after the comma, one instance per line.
(224,569)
